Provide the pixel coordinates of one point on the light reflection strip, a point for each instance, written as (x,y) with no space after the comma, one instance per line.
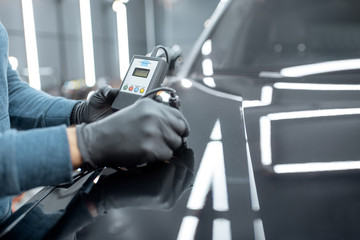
(317,86)
(31,44)
(221,229)
(259,232)
(316,167)
(266,98)
(188,228)
(265,140)
(206,48)
(207,67)
(265,133)
(211,172)
(87,42)
(206,176)
(323,67)
(313,113)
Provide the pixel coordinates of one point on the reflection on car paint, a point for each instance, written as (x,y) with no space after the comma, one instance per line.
(321,67)
(317,86)
(211,173)
(266,145)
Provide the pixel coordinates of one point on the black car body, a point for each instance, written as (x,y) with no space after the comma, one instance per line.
(271,91)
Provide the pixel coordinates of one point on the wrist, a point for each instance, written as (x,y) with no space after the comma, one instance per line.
(73,117)
(75,155)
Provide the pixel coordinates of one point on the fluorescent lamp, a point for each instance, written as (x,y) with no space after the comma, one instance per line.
(123,39)
(87,42)
(30,44)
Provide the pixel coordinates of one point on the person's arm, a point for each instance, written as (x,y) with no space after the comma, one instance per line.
(31,108)
(33,158)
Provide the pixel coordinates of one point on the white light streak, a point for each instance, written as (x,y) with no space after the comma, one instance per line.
(96,179)
(221,229)
(87,42)
(208,169)
(206,48)
(265,140)
(211,173)
(259,232)
(266,98)
(31,44)
(123,39)
(186,83)
(188,228)
(323,67)
(316,167)
(90,94)
(313,113)
(207,67)
(209,81)
(216,132)
(317,86)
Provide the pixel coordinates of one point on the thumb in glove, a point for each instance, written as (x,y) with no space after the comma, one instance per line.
(96,107)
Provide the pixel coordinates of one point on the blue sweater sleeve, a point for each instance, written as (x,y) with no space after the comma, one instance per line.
(34,158)
(31,108)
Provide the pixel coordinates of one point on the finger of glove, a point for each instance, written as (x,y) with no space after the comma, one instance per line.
(162,151)
(177,121)
(109,93)
(171,137)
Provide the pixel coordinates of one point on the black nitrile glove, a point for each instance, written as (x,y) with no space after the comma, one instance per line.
(96,107)
(145,131)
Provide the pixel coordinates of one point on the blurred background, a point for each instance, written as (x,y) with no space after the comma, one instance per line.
(70,47)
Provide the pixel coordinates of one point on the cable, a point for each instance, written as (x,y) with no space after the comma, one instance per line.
(155,50)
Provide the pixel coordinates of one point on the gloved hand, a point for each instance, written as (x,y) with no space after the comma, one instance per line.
(145,131)
(96,107)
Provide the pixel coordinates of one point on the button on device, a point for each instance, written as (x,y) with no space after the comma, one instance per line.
(136,89)
(125,87)
(142,90)
(131,88)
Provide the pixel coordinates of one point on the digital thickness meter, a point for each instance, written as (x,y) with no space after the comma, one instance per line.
(144,74)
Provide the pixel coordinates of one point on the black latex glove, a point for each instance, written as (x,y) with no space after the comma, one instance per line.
(96,107)
(145,131)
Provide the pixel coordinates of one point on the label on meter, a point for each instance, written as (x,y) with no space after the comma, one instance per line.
(139,76)
(144,74)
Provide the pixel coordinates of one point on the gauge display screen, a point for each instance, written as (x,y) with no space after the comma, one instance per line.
(141,72)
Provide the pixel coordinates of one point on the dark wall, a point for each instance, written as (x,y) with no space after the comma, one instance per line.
(59,43)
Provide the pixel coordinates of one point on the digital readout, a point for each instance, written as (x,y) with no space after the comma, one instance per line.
(141,72)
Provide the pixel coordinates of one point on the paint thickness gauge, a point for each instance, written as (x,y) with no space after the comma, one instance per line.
(144,74)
